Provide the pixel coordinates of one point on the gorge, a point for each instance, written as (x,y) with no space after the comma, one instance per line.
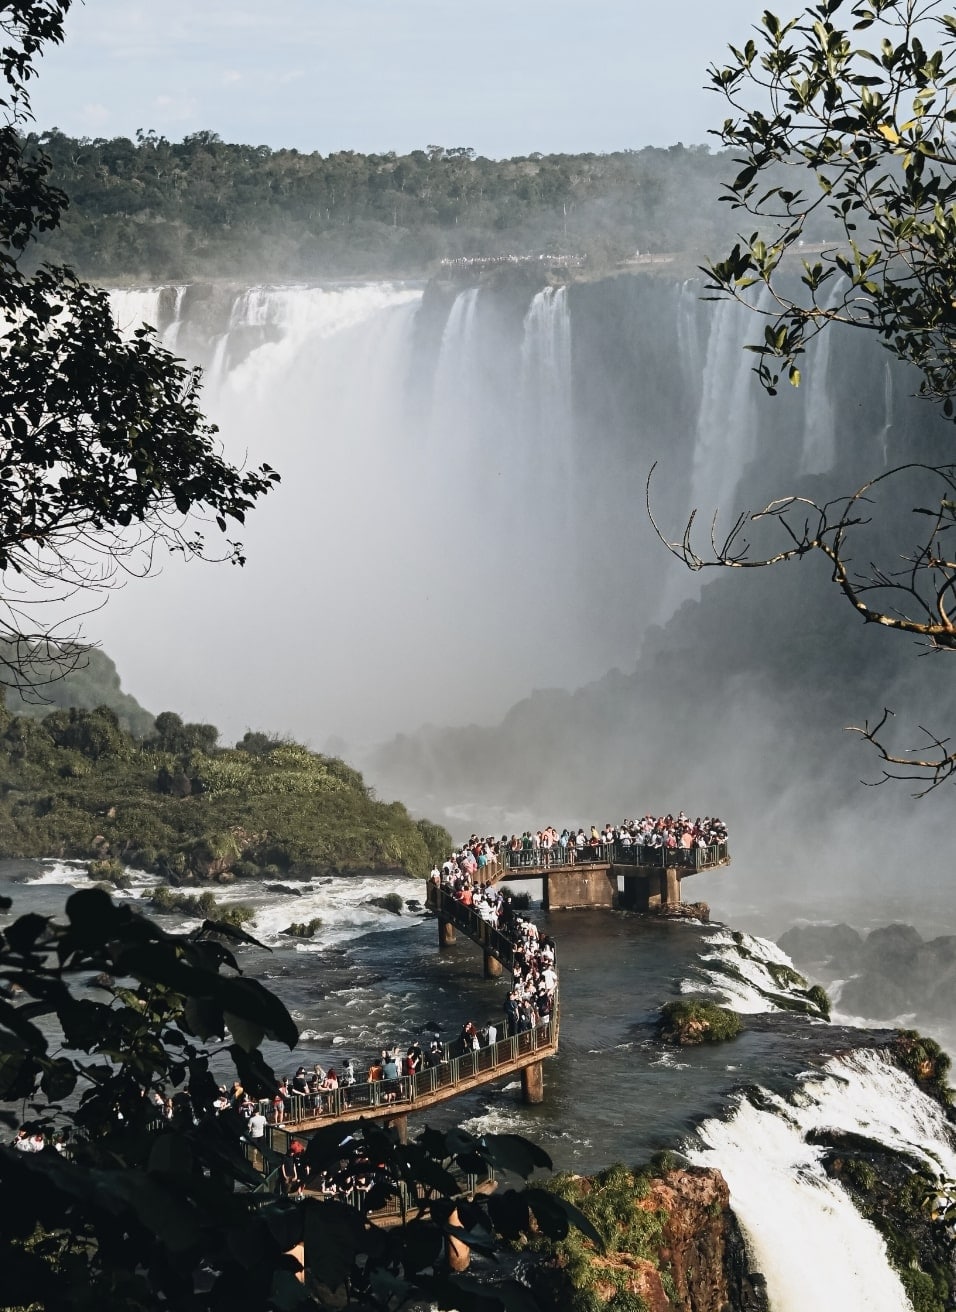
(462,521)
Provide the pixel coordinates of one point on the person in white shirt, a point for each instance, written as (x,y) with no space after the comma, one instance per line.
(256,1128)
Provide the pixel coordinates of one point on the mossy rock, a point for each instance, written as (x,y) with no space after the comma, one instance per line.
(785,977)
(926,1062)
(697,1020)
(109,871)
(305,929)
(203,907)
(393,902)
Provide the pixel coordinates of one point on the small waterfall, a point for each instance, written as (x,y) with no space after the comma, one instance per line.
(134,306)
(456,379)
(883,436)
(727,420)
(803,1230)
(546,386)
(818,452)
(689,345)
(171,335)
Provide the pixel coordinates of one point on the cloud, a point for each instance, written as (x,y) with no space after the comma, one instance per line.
(176,109)
(230,77)
(95,115)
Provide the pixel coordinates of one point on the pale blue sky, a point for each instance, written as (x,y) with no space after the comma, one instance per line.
(504,76)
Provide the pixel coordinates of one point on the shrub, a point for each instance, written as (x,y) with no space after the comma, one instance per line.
(925,1061)
(110,870)
(698,1020)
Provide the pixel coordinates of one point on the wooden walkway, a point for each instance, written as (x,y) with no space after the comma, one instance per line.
(456,1073)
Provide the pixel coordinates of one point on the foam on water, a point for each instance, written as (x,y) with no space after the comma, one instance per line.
(343,905)
(804,1232)
(61,872)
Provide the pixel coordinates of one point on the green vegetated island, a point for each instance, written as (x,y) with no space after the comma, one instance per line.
(96,778)
(202,207)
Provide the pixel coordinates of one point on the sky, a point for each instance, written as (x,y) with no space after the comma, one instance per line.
(506,77)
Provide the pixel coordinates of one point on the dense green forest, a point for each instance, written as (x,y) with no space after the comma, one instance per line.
(74,783)
(202,207)
(87,679)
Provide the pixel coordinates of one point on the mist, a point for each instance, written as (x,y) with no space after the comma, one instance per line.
(457,587)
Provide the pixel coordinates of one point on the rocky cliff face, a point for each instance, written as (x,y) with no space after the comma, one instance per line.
(703,1250)
(679,1250)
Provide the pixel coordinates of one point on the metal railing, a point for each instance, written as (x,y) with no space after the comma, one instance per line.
(618,853)
(686,858)
(480,931)
(381,1095)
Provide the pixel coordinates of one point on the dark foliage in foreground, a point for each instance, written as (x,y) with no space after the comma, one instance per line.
(140,1212)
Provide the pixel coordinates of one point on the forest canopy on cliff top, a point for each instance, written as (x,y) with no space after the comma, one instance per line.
(76,784)
(203,207)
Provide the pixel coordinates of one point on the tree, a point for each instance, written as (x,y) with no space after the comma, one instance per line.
(143,1209)
(105,457)
(848,149)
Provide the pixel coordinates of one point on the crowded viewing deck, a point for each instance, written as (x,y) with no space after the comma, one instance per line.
(655,842)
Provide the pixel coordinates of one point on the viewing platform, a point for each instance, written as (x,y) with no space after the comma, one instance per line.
(628,876)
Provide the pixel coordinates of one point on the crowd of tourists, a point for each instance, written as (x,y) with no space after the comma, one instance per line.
(482,856)
(534,978)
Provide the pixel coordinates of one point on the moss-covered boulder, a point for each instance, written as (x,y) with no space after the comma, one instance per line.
(695,1020)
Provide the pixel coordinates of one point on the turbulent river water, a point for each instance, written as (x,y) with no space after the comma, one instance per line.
(615,1092)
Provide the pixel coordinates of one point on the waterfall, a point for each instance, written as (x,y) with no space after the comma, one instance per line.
(803,1230)
(546,402)
(727,420)
(450,463)
(883,436)
(818,452)
(689,331)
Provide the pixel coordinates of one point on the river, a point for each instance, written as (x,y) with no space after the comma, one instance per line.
(615,1092)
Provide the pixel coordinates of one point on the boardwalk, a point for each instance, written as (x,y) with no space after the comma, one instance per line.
(456,1072)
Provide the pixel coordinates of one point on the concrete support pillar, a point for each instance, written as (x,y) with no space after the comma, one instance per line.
(399,1123)
(298,1252)
(671,888)
(457,1253)
(546,891)
(492,967)
(655,879)
(446,933)
(532,1083)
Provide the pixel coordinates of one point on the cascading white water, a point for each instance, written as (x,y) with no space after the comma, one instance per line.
(546,373)
(689,345)
(477,473)
(417,511)
(727,420)
(803,1230)
(883,436)
(547,413)
(818,451)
